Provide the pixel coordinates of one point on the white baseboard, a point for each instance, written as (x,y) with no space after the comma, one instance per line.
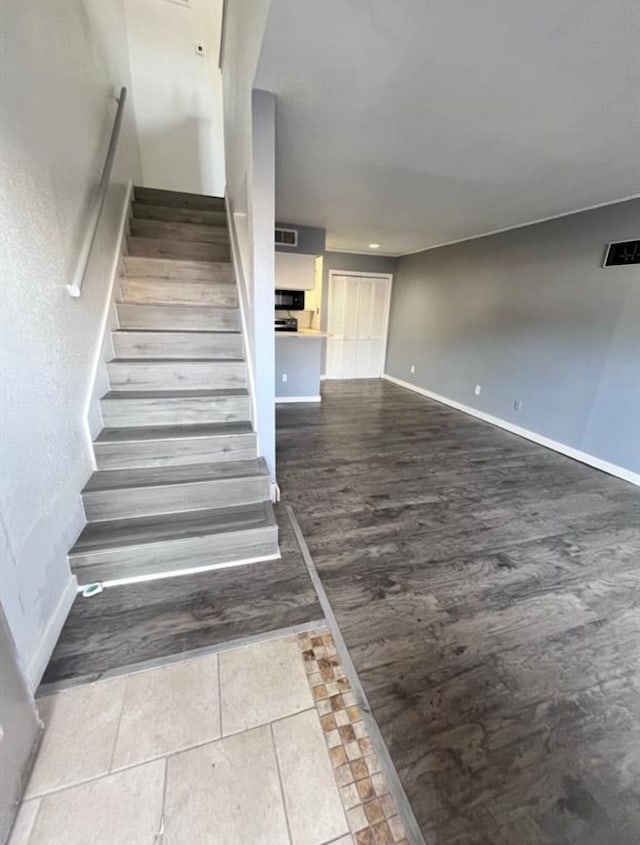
(569,451)
(94,393)
(41,656)
(284,400)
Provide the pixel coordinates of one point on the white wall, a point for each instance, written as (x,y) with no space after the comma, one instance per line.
(178,93)
(249,127)
(62,62)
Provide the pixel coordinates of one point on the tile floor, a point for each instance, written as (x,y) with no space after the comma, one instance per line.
(243,747)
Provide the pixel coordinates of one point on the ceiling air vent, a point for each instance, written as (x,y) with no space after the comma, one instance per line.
(286,237)
(621,253)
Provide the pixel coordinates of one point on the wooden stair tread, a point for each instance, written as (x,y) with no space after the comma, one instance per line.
(175,230)
(191,269)
(177,331)
(166,280)
(144,530)
(175,394)
(181,199)
(170,432)
(143,362)
(119,479)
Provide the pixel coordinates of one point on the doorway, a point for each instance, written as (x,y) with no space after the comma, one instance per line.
(357,325)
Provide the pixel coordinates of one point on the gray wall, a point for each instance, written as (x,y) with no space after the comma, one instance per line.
(311,240)
(530,315)
(299,358)
(61,63)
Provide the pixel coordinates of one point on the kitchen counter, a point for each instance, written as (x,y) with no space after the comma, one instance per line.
(312,334)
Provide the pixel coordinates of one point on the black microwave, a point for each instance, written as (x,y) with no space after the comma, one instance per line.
(289,300)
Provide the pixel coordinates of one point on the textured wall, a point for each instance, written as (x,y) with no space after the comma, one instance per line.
(178,93)
(61,62)
(531,315)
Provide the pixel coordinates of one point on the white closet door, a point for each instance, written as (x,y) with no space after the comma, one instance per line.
(350,342)
(379,314)
(365,368)
(358,308)
(335,341)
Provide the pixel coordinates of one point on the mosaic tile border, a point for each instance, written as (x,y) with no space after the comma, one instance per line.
(370,809)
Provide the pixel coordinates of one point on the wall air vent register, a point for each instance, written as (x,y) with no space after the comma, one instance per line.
(286,237)
(622,253)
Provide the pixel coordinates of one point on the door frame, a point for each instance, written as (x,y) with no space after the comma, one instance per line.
(387,314)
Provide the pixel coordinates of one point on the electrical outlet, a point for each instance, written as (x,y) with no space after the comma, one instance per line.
(284,377)
(413,368)
(517,405)
(478,389)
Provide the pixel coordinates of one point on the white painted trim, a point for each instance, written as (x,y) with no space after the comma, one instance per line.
(541,440)
(373,252)
(113,275)
(387,317)
(173,573)
(243,302)
(518,226)
(49,637)
(360,273)
(285,400)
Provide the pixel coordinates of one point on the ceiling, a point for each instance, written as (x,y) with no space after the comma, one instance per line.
(413,123)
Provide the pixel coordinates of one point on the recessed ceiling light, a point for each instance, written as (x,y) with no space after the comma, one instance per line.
(374,246)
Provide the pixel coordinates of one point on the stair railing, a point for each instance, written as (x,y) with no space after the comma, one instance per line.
(99,200)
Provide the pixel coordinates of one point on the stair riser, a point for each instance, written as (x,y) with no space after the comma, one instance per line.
(189,250)
(168,292)
(169,556)
(175,452)
(176,345)
(145,501)
(174,411)
(177,318)
(158,196)
(163,268)
(178,375)
(171,214)
(173,231)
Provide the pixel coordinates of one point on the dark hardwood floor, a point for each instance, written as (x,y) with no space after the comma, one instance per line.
(488,590)
(127,625)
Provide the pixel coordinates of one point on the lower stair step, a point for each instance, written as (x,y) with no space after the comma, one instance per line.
(121,493)
(129,548)
(131,344)
(160,374)
(180,407)
(169,268)
(160,446)
(185,318)
(175,292)
(170,248)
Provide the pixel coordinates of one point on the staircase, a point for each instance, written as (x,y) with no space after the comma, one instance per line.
(179,485)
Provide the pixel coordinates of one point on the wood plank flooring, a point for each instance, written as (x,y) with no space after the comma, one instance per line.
(488,590)
(127,625)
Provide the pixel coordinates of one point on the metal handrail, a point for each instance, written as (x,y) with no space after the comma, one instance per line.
(96,211)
